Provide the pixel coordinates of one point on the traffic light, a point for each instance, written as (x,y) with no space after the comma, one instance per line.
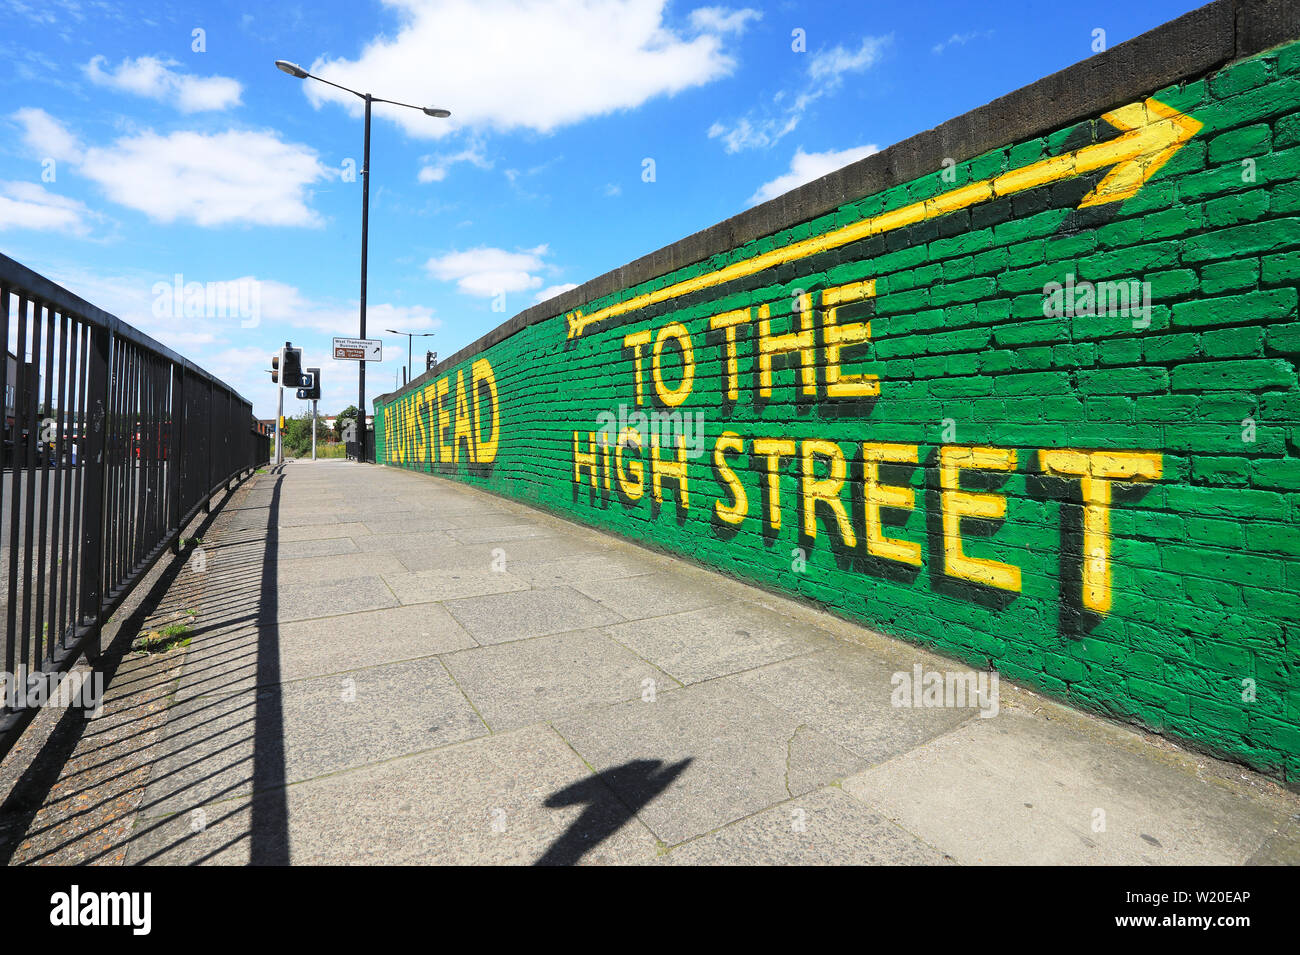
(275,368)
(430,359)
(310,389)
(292,370)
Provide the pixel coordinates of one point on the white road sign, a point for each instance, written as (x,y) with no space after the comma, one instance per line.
(359,349)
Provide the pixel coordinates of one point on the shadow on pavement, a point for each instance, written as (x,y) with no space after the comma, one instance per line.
(246,591)
(71,735)
(270,814)
(612,797)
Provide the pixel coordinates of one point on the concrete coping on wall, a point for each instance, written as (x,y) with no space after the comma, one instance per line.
(1192,45)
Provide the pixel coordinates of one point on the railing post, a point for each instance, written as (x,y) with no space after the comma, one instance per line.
(174,443)
(229,428)
(212,450)
(91,598)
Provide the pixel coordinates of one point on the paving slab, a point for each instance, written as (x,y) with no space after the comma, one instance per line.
(726,638)
(293,571)
(845,692)
(397,543)
(738,755)
(501,617)
(225,664)
(329,597)
(225,746)
(389,510)
(1018,789)
(532,681)
(575,570)
(313,517)
(475,533)
(319,547)
(353,529)
(825,827)
(228,662)
(654,594)
(313,647)
(536,548)
(451,556)
(410,524)
(450,583)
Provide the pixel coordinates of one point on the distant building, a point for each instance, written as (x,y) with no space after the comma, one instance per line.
(17,407)
(11,376)
(267,425)
(328,420)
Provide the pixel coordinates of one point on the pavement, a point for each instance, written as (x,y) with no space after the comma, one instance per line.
(389,667)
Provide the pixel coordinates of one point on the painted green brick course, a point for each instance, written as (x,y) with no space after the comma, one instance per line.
(1201,638)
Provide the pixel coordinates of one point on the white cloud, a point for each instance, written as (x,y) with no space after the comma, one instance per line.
(805,167)
(722,20)
(211,179)
(487,271)
(525,64)
(154,78)
(436,167)
(240,355)
(28,205)
(754,134)
(960,39)
(767,126)
(554,290)
(45,136)
(833,63)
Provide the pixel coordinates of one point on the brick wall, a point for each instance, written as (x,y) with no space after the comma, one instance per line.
(905,410)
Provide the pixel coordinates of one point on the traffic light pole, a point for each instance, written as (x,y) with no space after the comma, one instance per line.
(313,429)
(279,431)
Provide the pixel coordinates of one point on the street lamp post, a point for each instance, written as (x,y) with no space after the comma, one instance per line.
(296,71)
(410,337)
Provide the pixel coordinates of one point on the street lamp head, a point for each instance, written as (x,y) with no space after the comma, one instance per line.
(293,69)
(393,331)
(436,113)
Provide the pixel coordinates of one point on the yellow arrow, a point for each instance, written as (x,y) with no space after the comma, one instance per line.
(1151,133)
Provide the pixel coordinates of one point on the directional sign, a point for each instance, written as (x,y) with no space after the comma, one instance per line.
(359,349)
(1150,133)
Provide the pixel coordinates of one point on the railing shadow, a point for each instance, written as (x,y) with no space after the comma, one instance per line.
(219,748)
(33,788)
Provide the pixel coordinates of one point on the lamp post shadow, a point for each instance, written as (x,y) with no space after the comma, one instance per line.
(612,798)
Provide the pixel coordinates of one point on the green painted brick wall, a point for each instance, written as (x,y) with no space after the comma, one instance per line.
(1204,562)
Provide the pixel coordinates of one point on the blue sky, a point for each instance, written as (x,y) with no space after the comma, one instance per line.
(136,149)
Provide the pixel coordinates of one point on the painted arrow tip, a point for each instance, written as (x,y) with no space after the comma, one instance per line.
(1157,132)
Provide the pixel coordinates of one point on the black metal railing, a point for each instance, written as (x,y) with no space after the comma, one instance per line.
(112,444)
(356,451)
